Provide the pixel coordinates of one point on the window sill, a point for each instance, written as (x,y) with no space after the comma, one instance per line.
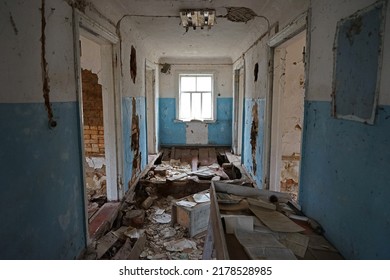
(193,121)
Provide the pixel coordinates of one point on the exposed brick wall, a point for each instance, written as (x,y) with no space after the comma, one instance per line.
(93,114)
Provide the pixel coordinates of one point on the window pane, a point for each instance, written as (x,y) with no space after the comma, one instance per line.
(196,106)
(206,105)
(185,106)
(203,84)
(187,83)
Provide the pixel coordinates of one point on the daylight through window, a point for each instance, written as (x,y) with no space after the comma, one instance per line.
(196,97)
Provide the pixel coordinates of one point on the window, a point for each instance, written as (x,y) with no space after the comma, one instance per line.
(196,97)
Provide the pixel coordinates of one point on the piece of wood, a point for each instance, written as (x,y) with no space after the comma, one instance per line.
(194,160)
(137,248)
(204,156)
(208,244)
(261,203)
(212,158)
(250,192)
(235,249)
(105,243)
(124,252)
(221,251)
(275,220)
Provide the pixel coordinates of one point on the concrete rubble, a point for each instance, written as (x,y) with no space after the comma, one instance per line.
(147,234)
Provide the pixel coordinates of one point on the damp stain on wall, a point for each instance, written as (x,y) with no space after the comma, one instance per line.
(135,144)
(254,133)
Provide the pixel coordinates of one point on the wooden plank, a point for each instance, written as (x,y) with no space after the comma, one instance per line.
(218,232)
(178,153)
(104,244)
(209,244)
(173,155)
(212,156)
(250,192)
(124,252)
(166,155)
(186,156)
(204,156)
(138,248)
(194,159)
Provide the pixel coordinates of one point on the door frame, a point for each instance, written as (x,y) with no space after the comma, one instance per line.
(238,106)
(108,41)
(298,25)
(151,116)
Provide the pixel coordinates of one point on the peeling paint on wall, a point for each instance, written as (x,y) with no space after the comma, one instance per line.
(135,144)
(254,132)
(45,73)
(133,64)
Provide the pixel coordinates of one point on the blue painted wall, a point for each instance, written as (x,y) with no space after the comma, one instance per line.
(42,206)
(255,169)
(143,140)
(171,132)
(345,180)
(220,132)
(127,112)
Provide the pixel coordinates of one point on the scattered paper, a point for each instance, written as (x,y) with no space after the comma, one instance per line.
(297,242)
(239,222)
(163,218)
(179,245)
(186,203)
(201,197)
(168,232)
(134,233)
(159,211)
(263,246)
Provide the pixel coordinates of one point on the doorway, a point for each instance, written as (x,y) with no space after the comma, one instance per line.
(98,112)
(287,114)
(150,88)
(239,83)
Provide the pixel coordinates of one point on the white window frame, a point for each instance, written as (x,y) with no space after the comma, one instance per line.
(197,74)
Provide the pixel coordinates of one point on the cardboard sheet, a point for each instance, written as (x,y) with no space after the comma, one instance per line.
(275,220)
(263,246)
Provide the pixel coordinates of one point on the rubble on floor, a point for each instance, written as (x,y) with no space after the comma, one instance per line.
(95,180)
(147,234)
(175,170)
(260,224)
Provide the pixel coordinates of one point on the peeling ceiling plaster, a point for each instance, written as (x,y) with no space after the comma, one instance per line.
(166,38)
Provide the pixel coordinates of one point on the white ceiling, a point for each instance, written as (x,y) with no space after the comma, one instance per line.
(166,38)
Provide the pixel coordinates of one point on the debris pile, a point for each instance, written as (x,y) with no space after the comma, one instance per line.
(268,225)
(147,233)
(175,170)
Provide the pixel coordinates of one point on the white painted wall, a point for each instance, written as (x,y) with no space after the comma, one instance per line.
(287,110)
(24,79)
(257,54)
(91,58)
(324,18)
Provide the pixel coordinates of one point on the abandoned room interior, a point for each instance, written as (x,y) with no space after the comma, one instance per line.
(178,129)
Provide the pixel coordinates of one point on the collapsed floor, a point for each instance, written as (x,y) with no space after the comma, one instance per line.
(142,226)
(170,215)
